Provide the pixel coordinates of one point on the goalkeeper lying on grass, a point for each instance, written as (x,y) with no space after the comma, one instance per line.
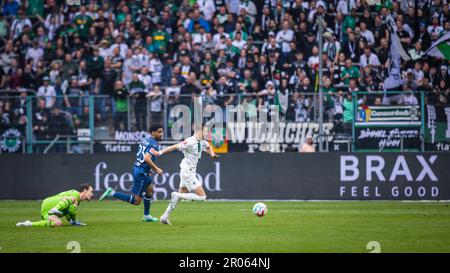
(63,204)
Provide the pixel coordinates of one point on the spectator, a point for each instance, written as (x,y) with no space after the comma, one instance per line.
(18,24)
(331,46)
(313,60)
(367,34)
(186,66)
(94,67)
(73,97)
(284,37)
(83,23)
(381,31)
(369,59)
(155,68)
(160,38)
(423,36)
(84,118)
(190,90)
(120,95)
(122,66)
(145,77)
(108,78)
(209,96)
(84,81)
(348,113)
(16,79)
(408,97)
(40,111)
(69,67)
(282,99)
(308,146)
(349,72)
(156,104)
(267,97)
(34,54)
(41,128)
(351,48)
(58,123)
(250,9)
(435,28)
(173,92)
(308,44)
(139,91)
(403,35)
(10,8)
(47,92)
(383,56)
(443,75)
(338,111)
(197,22)
(416,52)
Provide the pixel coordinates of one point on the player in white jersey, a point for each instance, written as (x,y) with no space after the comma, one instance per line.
(190,187)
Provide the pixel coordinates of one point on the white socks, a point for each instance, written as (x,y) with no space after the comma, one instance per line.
(182,196)
(191,196)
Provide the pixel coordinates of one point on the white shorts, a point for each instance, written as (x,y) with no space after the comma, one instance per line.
(189,180)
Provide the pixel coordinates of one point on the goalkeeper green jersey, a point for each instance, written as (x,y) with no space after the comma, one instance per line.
(69,211)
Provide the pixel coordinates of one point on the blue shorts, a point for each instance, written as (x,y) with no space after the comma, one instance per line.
(141,181)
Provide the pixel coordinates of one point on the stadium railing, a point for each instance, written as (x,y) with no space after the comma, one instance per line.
(99,118)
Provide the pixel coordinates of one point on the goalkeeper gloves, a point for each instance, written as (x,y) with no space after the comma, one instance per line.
(77,223)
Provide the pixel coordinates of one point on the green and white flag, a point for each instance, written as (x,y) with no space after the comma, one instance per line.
(441,48)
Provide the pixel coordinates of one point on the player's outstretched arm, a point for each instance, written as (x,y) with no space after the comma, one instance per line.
(169,149)
(149,161)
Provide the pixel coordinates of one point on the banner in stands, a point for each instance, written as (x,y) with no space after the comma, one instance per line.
(387,138)
(245,137)
(240,175)
(241,137)
(387,128)
(437,128)
(374,114)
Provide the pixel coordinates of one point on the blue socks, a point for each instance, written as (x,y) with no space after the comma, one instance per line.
(131,199)
(146,205)
(125,197)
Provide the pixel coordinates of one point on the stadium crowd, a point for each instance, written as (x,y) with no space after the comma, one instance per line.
(260,52)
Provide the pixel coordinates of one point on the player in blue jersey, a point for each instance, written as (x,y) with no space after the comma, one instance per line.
(143,170)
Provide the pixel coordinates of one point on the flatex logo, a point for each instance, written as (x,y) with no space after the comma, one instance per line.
(163,185)
(412,177)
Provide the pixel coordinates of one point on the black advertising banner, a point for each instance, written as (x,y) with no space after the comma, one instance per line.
(437,128)
(241,175)
(388,128)
(382,138)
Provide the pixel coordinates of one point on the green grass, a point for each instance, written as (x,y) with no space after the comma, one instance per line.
(230,227)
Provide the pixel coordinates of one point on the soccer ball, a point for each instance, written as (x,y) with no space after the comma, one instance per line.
(260,209)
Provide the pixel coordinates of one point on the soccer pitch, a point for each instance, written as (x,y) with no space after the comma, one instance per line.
(231,227)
